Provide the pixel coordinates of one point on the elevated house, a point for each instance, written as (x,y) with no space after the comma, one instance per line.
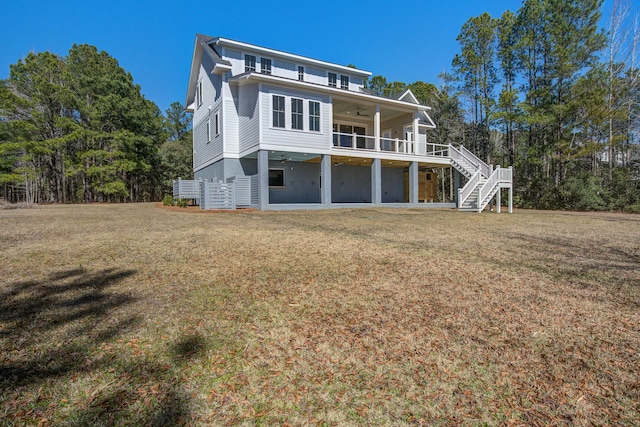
(299,133)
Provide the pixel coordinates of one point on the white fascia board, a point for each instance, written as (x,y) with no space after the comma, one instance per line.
(335,92)
(432,124)
(220,68)
(196,59)
(290,56)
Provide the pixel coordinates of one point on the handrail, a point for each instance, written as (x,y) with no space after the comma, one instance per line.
(456,154)
(465,192)
(391,145)
(485,168)
(487,188)
(506,175)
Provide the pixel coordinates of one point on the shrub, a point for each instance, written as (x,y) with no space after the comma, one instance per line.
(168,200)
(182,203)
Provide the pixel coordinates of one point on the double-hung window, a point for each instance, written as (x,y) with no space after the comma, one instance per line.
(297,115)
(314,116)
(300,73)
(344,82)
(265,66)
(278,111)
(249,63)
(333,79)
(199,94)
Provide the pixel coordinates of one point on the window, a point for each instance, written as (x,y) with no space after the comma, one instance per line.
(300,73)
(199,94)
(249,63)
(344,82)
(208,131)
(276,177)
(333,78)
(265,66)
(278,111)
(297,117)
(217,124)
(314,116)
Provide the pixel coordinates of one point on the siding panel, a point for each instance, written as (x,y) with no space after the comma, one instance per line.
(249,124)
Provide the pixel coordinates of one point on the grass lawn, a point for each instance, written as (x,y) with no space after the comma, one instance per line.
(139,315)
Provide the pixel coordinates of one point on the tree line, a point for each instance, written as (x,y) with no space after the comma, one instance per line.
(78,129)
(546,90)
(543,89)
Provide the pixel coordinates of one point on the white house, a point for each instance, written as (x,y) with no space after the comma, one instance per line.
(309,134)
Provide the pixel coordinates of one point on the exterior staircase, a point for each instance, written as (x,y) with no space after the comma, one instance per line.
(483,181)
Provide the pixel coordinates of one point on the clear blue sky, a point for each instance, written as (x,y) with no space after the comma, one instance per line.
(405,40)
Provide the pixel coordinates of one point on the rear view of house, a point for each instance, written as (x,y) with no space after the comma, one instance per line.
(304,133)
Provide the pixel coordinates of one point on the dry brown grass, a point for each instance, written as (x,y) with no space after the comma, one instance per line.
(138,315)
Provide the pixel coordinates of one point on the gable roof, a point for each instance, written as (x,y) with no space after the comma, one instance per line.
(202,47)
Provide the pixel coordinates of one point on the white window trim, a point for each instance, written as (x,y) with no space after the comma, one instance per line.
(263,61)
(271,125)
(300,113)
(342,77)
(217,122)
(329,79)
(301,73)
(309,101)
(199,93)
(208,131)
(255,63)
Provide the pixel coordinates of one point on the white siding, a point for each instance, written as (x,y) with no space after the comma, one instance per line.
(230,121)
(211,87)
(205,152)
(248,117)
(315,75)
(298,140)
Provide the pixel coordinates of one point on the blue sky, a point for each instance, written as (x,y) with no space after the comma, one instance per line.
(405,40)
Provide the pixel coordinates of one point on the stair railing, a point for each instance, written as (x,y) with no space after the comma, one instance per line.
(458,155)
(486,190)
(465,192)
(484,168)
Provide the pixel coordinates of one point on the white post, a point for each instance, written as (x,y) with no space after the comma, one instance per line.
(376,129)
(498,203)
(415,135)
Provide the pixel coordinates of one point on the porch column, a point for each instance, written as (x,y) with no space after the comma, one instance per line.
(413,182)
(325,180)
(415,134)
(498,203)
(376,128)
(263,179)
(376,182)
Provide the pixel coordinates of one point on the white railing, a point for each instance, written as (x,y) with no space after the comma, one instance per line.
(465,192)
(484,168)
(354,141)
(487,188)
(506,175)
(460,157)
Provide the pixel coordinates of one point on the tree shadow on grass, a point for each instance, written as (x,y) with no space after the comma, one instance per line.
(49,326)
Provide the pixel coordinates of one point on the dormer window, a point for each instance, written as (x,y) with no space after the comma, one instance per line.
(249,63)
(265,66)
(344,82)
(333,80)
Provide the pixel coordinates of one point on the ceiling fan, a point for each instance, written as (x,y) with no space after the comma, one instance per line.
(358,114)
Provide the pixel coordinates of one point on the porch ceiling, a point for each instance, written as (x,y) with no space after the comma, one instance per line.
(357,111)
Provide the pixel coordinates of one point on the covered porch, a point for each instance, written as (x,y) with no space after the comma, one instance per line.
(287,180)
